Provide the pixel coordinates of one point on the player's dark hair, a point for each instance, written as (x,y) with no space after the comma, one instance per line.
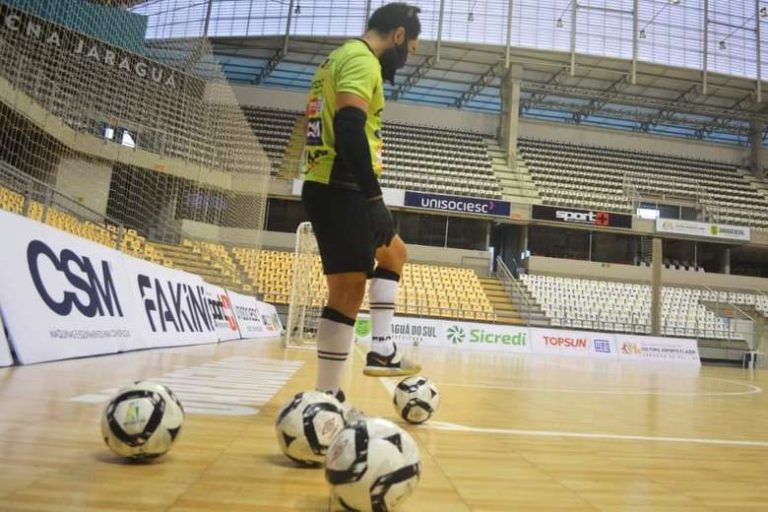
(390,17)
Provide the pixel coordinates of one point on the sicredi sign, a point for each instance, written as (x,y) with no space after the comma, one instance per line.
(457,204)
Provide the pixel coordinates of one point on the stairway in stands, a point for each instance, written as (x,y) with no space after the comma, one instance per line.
(506,311)
(290,166)
(516,182)
(512,308)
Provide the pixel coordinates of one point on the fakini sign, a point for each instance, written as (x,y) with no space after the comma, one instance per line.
(473,205)
(703,230)
(582,217)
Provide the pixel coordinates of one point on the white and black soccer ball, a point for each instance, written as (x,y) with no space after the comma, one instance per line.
(372,465)
(307,424)
(416,399)
(142,421)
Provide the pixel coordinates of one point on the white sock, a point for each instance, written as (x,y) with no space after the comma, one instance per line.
(334,341)
(382,295)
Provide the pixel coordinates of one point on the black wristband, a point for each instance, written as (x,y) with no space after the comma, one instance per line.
(352,149)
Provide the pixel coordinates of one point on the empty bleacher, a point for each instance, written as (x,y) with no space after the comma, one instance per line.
(418,158)
(438,160)
(273,129)
(595,177)
(626,307)
(426,290)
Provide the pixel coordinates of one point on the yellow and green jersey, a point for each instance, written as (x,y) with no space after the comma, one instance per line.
(351,68)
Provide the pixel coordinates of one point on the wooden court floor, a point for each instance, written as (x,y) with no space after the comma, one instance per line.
(514,434)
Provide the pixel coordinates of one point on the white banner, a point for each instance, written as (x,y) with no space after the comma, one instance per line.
(573,343)
(704,230)
(246,311)
(62,296)
(475,336)
(5,353)
(172,307)
(222,314)
(463,335)
(662,350)
(406,330)
(271,320)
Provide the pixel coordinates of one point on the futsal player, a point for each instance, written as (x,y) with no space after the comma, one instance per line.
(354,228)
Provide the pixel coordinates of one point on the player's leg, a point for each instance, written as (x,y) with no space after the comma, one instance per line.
(345,243)
(384,358)
(335,332)
(383,293)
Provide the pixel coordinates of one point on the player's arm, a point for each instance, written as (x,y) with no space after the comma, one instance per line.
(351,142)
(355,87)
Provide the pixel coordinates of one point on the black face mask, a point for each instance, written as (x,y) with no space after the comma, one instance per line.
(392,60)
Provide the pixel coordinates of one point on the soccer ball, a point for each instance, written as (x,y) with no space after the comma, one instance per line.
(307,424)
(416,399)
(372,465)
(142,421)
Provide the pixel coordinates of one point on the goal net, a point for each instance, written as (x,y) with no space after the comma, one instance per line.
(100,125)
(309,291)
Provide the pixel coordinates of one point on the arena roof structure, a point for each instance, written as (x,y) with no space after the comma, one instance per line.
(675,67)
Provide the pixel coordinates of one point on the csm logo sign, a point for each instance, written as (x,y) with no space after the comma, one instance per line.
(65,281)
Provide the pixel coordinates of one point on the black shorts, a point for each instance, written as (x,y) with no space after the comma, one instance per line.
(339,219)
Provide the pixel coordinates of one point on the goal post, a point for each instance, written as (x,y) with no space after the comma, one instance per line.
(309,291)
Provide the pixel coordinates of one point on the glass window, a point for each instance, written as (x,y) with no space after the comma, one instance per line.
(417,228)
(284,215)
(559,243)
(468,233)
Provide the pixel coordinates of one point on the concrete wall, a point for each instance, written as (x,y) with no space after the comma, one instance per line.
(86,181)
(615,272)
(594,136)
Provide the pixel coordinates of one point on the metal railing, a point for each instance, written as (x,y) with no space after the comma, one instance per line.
(510,283)
(41,199)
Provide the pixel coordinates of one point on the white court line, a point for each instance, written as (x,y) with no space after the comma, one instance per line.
(453,427)
(751,390)
(390,384)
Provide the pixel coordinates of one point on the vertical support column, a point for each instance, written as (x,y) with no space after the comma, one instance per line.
(509,35)
(758,52)
(727,261)
(756,129)
(658,255)
(367,14)
(439,43)
(574,7)
(207,18)
(635,28)
(705,60)
(288,28)
(511,111)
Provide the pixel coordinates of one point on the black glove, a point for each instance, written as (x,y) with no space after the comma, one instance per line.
(382,225)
